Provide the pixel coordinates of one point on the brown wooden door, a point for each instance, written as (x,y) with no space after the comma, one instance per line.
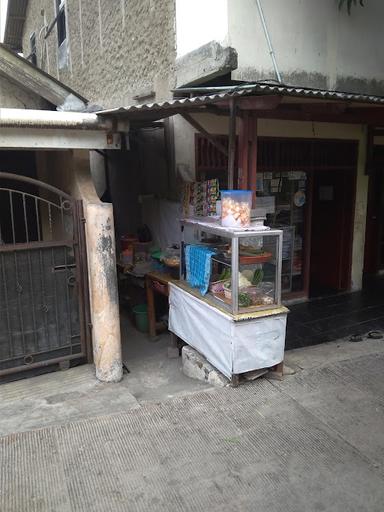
(374,238)
(331,236)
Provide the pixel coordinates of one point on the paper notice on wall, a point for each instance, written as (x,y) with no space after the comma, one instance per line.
(260,182)
(275,185)
(297,175)
(266,202)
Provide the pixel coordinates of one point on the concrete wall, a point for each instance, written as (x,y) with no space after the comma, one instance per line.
(315,43)
(116,48)
(12,96)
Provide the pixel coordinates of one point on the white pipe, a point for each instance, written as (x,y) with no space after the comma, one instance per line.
(15,118)
(269,42)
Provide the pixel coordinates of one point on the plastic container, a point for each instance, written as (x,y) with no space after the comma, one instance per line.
(127,255)
(142,251)
(127,241)
(141,317)
(236,208)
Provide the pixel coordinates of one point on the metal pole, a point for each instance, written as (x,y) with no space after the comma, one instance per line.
(269,42)
(231,143)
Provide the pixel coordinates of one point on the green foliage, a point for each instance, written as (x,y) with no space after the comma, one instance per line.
(349,4)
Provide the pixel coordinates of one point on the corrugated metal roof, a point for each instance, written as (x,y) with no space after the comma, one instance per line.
(16,13)
(257,89)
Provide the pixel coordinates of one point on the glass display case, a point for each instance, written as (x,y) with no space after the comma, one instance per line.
(239,269)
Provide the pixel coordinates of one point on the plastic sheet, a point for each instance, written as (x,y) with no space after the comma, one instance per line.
(161,217)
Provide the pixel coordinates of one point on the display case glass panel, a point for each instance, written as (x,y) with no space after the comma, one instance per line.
(239,270)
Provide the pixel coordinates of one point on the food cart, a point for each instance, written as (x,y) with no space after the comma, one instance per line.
(227,304)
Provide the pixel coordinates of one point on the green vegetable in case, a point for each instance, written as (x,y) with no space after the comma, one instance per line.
(244,300)
(257,276)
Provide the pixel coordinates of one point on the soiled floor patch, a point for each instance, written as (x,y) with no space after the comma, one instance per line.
(60,397)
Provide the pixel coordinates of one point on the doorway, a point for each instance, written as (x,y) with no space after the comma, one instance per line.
(331,231)
(374,238)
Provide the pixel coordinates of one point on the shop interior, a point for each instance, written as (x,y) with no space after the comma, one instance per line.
(305,187)
(147,213)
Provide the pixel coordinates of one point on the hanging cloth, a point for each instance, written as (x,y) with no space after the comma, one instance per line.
(198,266)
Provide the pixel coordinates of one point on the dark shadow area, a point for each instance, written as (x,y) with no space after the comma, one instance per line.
(337,316)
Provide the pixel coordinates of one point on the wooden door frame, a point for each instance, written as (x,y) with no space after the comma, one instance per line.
(352,172)
(373,237)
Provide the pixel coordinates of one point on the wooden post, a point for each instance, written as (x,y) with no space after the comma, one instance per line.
(253,158)
(231,143)
(248,153)
(243,151)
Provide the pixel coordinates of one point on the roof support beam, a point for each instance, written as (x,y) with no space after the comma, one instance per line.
(50,138)
(375,116)
(17,117)
(259,102)
(203,131)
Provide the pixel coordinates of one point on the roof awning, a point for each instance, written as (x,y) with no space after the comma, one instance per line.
(265,100)
(46,129)
(31,78)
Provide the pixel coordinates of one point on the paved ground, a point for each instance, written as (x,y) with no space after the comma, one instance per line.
(153,375)
(313,442)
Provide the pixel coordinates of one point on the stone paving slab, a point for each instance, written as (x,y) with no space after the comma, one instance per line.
(312,442)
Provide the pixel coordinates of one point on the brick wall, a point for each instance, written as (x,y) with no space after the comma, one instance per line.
(116,48)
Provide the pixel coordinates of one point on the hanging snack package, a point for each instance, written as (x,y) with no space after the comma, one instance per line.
(212,196)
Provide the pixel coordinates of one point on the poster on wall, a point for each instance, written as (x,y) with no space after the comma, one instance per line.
(297,175)
(266,202)
(260,182)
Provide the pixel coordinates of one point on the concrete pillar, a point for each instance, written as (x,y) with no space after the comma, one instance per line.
(103,292)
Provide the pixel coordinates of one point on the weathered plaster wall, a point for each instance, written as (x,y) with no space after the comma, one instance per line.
(185,162)
(12,96)
(315,44)
(116,48)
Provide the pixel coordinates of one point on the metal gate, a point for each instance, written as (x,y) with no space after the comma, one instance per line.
(44,315)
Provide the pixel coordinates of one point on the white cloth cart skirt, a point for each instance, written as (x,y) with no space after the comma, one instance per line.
(232,346)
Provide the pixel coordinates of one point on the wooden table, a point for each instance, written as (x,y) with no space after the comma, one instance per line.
(156,282)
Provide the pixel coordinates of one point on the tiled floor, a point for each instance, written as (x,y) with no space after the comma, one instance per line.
(328,319)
